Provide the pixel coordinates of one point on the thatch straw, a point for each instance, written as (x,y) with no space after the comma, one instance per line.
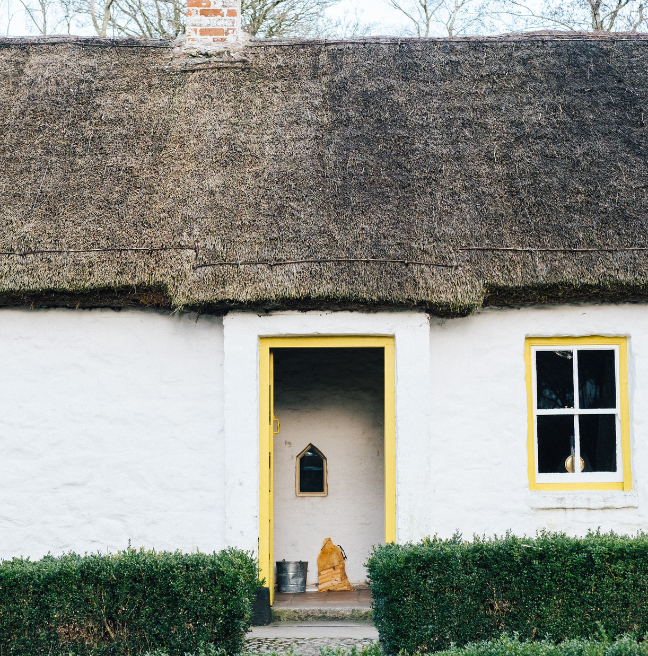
(371,173)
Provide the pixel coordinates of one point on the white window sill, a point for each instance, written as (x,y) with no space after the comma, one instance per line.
(592,500)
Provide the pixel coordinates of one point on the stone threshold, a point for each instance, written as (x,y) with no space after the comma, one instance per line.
(323,606)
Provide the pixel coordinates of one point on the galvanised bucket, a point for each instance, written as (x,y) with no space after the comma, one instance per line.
(292,575)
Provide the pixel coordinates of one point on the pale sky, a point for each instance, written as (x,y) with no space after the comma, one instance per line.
(373,11)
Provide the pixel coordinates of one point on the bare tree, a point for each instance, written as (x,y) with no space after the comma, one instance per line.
(578,15)
(68,14)
(42,15)
(166,18)
(155,19)
(7,12)
(419,12)
(284,18)
(98,13)
(452,17)
(348,24)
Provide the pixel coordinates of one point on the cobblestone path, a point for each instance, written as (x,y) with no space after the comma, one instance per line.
(302,646)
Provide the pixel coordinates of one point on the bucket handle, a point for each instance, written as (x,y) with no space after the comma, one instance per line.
(342,550)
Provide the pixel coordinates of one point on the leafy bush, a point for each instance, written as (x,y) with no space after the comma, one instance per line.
(126,604)
(505,646)
(441,592)
(207,650)
(369,650)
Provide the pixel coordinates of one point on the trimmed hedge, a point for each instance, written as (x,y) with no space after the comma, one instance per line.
(126,604)
(441,592)
(505,646)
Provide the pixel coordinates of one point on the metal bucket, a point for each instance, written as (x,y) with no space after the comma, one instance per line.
(292,575)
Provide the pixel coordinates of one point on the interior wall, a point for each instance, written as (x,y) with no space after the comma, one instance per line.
(112,430)
(334,399)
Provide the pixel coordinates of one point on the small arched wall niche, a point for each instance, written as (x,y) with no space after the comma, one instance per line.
(310,475)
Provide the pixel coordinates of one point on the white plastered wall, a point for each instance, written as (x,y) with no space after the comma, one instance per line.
(332,398)
(111,427)
(478,424)
(412,342)
(119,425)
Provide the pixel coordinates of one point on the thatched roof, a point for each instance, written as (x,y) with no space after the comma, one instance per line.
(492,170)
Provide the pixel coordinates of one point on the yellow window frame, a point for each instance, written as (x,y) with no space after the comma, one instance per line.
(591,340)
(266,401)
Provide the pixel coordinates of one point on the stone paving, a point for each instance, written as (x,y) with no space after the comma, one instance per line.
(302,646)
(306,638)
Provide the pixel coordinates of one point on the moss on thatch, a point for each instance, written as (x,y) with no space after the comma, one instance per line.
(365,164)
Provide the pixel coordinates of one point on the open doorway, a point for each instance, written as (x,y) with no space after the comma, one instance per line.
(327,427)
(329,454)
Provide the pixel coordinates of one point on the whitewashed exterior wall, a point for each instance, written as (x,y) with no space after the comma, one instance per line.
(111,430)
(143,425)
(478,424)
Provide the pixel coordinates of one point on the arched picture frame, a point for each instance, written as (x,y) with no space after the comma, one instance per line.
(310,473)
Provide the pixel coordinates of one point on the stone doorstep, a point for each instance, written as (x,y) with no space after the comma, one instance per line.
(323,606)
(306,614)
(307,622)
(302,630)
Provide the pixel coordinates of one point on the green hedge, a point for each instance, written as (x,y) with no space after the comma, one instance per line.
(441,592)
(505,646)
(126,604)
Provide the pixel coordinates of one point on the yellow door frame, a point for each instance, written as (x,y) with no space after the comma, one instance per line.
(267,432)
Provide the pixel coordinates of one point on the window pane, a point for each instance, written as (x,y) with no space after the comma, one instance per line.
(555,442)
(598,442)
(555,379)
(311,472)
(596,379)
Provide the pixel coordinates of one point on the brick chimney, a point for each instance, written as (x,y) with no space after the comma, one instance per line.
(213,24)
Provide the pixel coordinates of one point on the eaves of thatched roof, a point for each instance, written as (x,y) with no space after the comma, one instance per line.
(435,173)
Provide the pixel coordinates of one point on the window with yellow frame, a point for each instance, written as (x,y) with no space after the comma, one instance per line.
(577,395)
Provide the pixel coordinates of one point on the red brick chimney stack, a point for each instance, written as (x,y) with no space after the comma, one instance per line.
(213,24)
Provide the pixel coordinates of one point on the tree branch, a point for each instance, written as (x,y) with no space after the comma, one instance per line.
(640,20)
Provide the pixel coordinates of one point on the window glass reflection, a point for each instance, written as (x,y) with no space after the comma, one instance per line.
(596,379)
(555,379)
(555,442)
(598,442)
(311,472)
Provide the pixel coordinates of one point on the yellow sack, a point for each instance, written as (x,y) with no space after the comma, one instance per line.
(330,567)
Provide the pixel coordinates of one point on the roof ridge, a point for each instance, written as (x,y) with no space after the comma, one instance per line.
(515,36)
(130,42)
(125,42)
